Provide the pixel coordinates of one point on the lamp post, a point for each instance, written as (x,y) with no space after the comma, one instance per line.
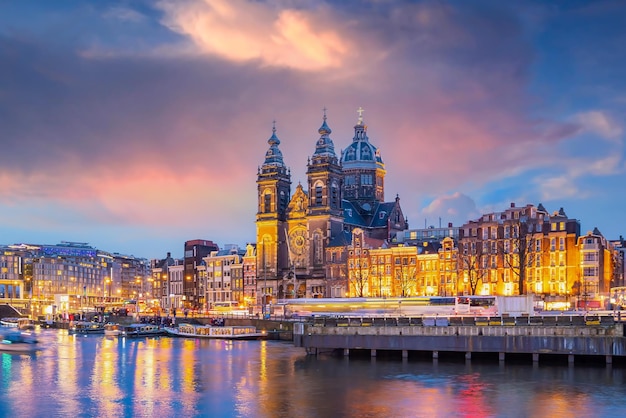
(13,291)
(264,293)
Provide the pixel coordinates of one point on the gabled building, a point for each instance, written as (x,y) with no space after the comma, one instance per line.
(596,268)
(224,277)
(521,250)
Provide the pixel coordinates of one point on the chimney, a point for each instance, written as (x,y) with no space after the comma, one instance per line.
(512,204)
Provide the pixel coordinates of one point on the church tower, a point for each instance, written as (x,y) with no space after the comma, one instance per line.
(363,168)
(273,190)
(324,213)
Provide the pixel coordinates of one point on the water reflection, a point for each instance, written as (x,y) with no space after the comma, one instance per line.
(165,377)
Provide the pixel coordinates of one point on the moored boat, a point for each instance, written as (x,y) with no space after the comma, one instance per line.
(141,330)
(15,341)
(25,324)
(220,332)
(112,329)
(86,327)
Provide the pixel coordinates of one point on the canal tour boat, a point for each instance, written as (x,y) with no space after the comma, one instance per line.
(15,341)
(141,330)
(216,332)
(86,328)
(112,329)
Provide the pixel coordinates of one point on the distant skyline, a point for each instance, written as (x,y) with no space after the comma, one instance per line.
(135,126)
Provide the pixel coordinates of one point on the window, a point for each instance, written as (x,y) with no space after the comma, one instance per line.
(318,194)
(561,243)
(267,203)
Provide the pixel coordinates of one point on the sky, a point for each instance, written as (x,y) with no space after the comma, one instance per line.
(135,126)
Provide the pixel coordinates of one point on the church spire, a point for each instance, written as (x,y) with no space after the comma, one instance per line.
(273,156)
(324,146)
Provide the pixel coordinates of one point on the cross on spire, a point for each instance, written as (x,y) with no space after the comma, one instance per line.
(360,112)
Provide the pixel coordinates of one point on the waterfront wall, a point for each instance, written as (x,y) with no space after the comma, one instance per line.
(576,340)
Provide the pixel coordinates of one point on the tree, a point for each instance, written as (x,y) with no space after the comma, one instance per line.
(517,251)
(472,261)
(359,276)
(406,278)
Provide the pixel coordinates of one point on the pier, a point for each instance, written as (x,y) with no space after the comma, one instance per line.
(536,336)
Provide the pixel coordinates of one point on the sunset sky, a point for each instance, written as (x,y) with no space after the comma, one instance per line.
(137,125)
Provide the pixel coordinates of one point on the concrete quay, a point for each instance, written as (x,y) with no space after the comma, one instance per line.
(570,337)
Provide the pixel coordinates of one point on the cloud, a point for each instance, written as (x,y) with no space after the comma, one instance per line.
(456,208)
(124,14)
(598,122)
(241,30)
(557,188)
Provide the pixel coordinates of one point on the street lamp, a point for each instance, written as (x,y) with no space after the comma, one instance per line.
(12,292)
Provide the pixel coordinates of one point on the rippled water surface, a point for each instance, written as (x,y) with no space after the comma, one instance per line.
(97,376)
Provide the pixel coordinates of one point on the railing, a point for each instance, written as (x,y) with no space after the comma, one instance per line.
(442,321)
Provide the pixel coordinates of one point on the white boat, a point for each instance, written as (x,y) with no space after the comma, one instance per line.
(112,330)
(141,330)
(209,331)
(86,327)
(25,324)
(15,341)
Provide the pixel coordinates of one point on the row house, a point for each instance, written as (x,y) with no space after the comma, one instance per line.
(596,269)
(374,269)
(520,250)
(224,277)
(250,294)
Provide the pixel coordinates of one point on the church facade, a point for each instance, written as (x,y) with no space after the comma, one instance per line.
(294,231)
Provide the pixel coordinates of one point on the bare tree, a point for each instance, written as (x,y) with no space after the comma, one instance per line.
(359,278)
(472,262)
(517,251)
(406,278)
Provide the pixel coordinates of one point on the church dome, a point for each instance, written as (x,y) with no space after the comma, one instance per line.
(361,153)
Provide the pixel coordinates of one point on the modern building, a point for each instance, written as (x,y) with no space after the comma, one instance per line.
(430,234)
(69,276)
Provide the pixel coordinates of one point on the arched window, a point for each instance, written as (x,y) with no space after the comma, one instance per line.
(319,193)
(267,202)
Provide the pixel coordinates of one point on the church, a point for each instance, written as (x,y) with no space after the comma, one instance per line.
(342,193)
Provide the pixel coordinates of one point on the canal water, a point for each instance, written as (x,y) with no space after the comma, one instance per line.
(97,376)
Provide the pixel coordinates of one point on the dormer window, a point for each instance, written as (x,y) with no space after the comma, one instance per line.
(382,214)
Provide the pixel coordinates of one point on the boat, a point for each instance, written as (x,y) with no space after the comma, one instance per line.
(86,327)
(112,329)
(15,341)
(216,332)
(24,324)
(141,330)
